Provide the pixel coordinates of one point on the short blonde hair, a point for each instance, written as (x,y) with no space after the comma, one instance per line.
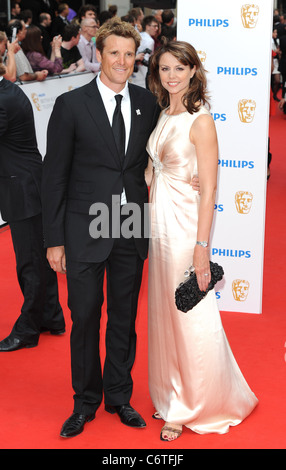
(119,28)
(3,36)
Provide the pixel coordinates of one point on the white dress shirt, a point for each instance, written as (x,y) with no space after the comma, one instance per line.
(108,98)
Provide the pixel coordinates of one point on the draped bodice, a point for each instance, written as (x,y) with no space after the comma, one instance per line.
(170,147)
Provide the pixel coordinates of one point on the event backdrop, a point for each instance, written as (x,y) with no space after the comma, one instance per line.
(43,96)
(233,41)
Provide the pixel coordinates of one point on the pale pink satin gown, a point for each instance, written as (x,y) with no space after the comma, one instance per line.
(194,379)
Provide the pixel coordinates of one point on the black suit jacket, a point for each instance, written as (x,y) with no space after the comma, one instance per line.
(51,8)
(82,167)
(58,26)
(282,63)
(20,160)
(46,40)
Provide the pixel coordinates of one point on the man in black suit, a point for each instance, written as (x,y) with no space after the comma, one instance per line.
(60,21)
(86,171)
(20,206)
(45,21)
(49,6)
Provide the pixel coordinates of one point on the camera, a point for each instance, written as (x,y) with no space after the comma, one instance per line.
(12,34)
(144,61)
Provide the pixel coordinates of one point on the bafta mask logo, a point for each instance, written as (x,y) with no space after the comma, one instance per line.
(240,290)
(202,56)
(243,201)
(36,101)
(249,15)
(246,110)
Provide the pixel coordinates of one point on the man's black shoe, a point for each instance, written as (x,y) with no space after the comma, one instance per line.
(127,415)
(74,424)
(13,344)
(53,331)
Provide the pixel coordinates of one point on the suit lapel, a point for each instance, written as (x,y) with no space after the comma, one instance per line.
(136,122)
(97,111)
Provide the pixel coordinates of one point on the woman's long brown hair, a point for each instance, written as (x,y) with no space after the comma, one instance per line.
(186,55)
(33,41)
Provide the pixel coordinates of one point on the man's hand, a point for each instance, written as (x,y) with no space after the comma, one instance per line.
(13,47)
(195,183)
(41,75)
(140,56)
(57,258)
(281,103)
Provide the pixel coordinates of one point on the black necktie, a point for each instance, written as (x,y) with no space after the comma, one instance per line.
(118,127)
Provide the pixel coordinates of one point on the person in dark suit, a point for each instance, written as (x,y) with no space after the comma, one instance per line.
(49,6)
(60,21)
(20,206)
(87,172)
(45,21)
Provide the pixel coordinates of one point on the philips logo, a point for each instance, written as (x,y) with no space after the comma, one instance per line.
(218,207)
(241,71)
(218,117)
(208,23)
(231,253)
(236,164)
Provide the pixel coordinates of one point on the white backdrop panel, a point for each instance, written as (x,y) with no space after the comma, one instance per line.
(43,96)
(233,40)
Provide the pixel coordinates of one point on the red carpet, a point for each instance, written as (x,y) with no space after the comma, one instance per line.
(36,394)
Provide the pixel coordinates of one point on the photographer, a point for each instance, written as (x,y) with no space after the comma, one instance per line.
(150,27)
(7,52)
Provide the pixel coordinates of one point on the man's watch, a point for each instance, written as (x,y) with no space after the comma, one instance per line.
(204,244)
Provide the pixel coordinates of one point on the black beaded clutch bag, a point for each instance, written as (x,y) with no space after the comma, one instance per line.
(188,294)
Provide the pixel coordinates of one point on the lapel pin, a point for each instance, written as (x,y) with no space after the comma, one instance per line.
(138,112)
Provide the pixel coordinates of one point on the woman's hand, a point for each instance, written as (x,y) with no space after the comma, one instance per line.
(201,264)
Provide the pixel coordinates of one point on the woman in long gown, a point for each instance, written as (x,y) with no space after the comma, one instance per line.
(194,380)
